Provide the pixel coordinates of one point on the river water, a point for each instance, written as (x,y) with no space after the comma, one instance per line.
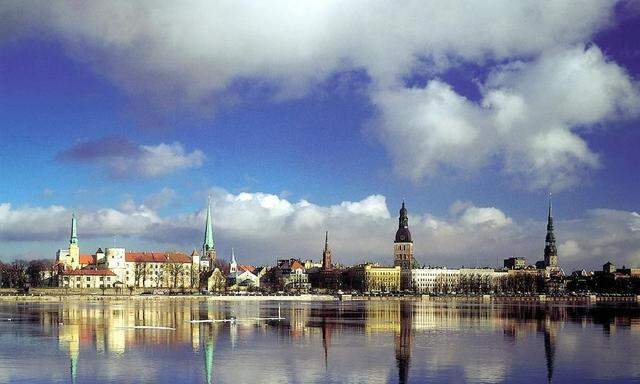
(317,342)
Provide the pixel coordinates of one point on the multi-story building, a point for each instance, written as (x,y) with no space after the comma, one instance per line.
(445,280)
(87,278)
(290,274)
(432,280)
(115,267)
(515,263)
(373,277)
(157,269)
(242,276)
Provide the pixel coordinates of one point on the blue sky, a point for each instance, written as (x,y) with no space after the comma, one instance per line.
(297,121)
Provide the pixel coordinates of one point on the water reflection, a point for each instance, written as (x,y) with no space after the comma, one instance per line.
(320,342)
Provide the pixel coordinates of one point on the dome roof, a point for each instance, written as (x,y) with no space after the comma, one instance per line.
(403,235)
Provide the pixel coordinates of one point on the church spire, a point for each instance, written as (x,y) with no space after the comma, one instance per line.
(326,254)
(74,231)
(550,250)
(326,241)
(209,243)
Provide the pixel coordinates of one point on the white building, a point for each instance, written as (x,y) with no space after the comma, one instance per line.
(242,275)
(445,280)
(87,278)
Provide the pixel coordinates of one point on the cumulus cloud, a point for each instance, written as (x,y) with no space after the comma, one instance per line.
(199,47)
(120,158)
(532,116)
(263,227)
(202,53)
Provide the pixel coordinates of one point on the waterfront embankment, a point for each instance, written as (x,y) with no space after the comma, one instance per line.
(60,295)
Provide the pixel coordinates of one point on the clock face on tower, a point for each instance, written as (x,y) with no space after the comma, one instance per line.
(401,237)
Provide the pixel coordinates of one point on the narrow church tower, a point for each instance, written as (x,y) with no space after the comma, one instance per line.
(550,250)
(74,250)
(403,246)
(233,266)
(326,254)
(209,246)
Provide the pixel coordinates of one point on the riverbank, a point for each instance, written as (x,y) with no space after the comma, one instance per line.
(115,297)
(486,299)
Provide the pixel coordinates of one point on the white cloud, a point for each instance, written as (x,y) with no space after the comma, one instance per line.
(120,158)
(485,216)
(532,115)
(154,161)
(263,226)
(161,199)
(198,48)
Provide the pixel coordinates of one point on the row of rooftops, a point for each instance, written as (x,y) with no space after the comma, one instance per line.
(140,257)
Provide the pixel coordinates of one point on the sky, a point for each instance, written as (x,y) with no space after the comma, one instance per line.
(300,117)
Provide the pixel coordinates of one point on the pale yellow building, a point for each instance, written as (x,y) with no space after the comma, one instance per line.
(370,277)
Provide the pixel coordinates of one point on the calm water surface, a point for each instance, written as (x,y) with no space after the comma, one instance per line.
(351,342)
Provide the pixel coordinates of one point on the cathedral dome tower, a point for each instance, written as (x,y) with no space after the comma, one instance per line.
(403,235)
(403,248)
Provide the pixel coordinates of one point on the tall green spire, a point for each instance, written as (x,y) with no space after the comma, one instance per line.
(74,230)
(209,243)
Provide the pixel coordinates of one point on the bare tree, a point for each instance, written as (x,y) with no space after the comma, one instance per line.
(175,271)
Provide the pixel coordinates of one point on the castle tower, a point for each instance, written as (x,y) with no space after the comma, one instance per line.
(326,254)
(209,245)
(74,250)
(403,246)
(550,250)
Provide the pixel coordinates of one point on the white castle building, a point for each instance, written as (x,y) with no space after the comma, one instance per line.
(117,267)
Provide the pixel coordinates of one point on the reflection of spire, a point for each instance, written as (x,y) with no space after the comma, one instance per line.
(74,367)
(549,345)
(404,341)
(326,340)
(209,348)
(549,351)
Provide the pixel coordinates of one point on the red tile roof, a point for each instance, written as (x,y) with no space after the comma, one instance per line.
(86,259)
(296,265)
(89,272)
(245,268)
(157,257)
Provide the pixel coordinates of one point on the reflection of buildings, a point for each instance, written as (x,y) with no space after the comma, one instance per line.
(334,327)
(549,349)
(403,341)
(209,349)
(69,341)
(327,330)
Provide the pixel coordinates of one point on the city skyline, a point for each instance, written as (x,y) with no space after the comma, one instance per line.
(472,127)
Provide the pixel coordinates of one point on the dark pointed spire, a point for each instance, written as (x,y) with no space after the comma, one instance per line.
(326,241)
(326,253)
(550,250)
